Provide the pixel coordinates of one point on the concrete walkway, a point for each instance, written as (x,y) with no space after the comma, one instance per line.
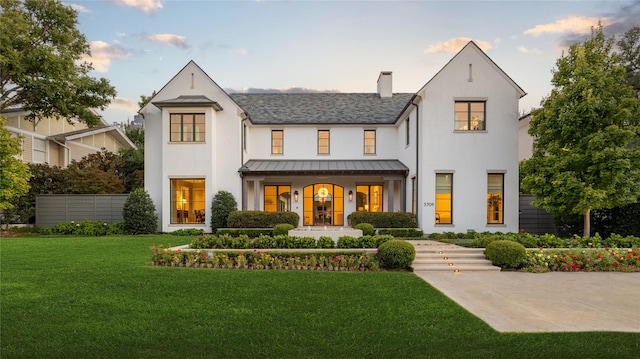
(545,302)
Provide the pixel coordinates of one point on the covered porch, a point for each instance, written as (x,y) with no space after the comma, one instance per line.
(324,192)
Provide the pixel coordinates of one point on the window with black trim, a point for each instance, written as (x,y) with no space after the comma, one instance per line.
(277,142)
(495,198)
(323,142)
(277,198)
(187,200)
(444,196)
(369,198)
(369,142)
(187,127)
(470,116)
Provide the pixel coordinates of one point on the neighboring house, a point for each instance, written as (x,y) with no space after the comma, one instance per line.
(525,147)
(448,153)
(57,142)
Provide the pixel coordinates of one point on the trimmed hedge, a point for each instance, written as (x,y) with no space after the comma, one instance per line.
(366,228)
(261,219)
(282,229)
(401,232)
(383,219)
(396,254)
(251,232)
(505,253)
(226,241)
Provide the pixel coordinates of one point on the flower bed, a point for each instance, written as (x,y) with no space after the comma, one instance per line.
(320,261)
(589,260)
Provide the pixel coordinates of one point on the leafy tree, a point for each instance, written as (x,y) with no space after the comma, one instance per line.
(40,63)
(629,50)
(14,175)
(223,204)
(96,173)
(582,158)
(139,213)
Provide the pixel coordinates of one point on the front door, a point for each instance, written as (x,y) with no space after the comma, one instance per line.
(323,205)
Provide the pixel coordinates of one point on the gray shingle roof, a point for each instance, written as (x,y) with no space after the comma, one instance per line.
(322,108)
(319,167)
(188,100)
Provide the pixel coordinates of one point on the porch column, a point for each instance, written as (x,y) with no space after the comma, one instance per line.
(391,191)
(256,195)
(244,195)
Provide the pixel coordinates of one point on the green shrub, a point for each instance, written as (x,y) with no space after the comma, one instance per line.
(401,232)
(367,242)
(347,242)
(116,228)
(282,228)
(305,242)
(383,238)
(396,254)
(223,204)
(618,241)
(366,228)
(187,232)
(383,219)
(264,241)
(505,253)
(139,213)
(84,228)
(484,240)
(325,242)
(251,232)
(261,219)
(549,241)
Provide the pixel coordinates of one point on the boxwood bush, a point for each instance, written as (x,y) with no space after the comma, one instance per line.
(282,229)
(396,254)
(402,232)
(325,242)
(505,253)
(366,228)
(383,219)
(261,219)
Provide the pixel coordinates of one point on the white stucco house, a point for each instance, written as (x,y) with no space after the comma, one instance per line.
(448,153)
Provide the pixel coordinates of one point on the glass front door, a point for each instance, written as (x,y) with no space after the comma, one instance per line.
(323,205)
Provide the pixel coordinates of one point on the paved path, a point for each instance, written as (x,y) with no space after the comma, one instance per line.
(546,302)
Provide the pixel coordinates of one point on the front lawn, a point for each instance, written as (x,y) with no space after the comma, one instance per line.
(77,297)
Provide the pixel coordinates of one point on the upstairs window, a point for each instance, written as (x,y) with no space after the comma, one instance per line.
(369,142)
(470,116)
(277,142)
(39,150)
(187,127)
(323,142)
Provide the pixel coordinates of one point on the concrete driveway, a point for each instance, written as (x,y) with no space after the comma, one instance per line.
(546,302)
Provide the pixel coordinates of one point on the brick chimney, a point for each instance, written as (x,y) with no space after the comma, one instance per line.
(384,84)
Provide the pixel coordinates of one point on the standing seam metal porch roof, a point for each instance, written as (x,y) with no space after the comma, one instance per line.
(323,167)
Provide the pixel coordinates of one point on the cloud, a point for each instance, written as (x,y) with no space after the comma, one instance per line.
(454,45)
(78,8)
(125,104)
(102,54)
(147,6)
(573,24)
(175,40)
(529,51)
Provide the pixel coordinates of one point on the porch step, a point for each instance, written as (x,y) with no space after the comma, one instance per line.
(437,256)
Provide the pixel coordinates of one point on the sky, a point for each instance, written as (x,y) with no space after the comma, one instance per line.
(337,46)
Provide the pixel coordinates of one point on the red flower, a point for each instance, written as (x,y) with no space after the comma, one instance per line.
(615,264)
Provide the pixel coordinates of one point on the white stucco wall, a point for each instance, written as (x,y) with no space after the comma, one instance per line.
(217,160)
(469,155)
(301,142)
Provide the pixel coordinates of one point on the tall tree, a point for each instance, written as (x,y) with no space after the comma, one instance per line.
(629,49)
(582,158)
(41,67)
(14,175)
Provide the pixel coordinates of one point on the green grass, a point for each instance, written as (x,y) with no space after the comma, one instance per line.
(95,298)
